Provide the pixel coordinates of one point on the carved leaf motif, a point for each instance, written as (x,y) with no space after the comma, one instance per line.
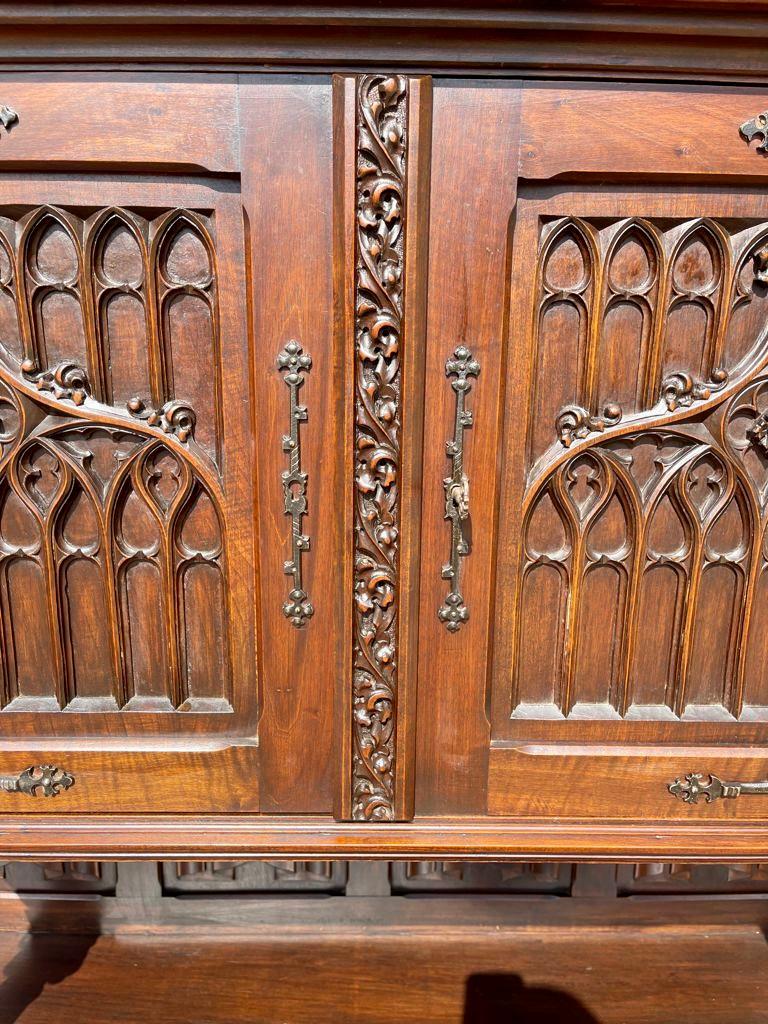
(381,110)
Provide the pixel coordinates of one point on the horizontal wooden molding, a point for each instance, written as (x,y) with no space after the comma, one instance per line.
(190,837)
(641,40)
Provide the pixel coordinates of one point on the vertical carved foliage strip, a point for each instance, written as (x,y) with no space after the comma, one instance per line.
(379,256)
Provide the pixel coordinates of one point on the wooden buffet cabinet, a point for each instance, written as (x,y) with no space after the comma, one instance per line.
(384,432)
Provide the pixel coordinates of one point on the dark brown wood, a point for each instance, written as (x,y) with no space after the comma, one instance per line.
(460,976)
(220,580)
(628,620)
(287,160)
(251,837)
(472,200)
(126,631)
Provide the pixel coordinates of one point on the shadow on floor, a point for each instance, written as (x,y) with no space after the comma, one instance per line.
(42,960)
(506,999)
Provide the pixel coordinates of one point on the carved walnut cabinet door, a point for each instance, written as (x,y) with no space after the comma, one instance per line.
(595,645)
(142,371)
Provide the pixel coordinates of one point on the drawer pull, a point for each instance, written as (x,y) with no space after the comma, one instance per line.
(45,777)
(8,117)
(695,787)
(453,612)
(295,362)
(756,128)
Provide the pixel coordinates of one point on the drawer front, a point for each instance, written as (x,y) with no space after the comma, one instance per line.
(60,121)
(613,783)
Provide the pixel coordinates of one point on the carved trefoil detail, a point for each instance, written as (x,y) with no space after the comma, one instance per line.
(295,363)
(460,370)
(381,108)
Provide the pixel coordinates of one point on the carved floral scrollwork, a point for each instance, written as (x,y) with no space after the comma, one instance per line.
(575,423)
(680,389)
(381,112)
(65,381)
(177,418)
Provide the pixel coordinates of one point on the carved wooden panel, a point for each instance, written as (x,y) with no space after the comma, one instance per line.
(113,574)
(212,877)
(59,877)
(468,877)
(682,879)
(642,547)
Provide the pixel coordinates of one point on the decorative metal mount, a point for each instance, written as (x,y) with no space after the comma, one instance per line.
(680,389)
(575,423)
(175,417)
(695,787)
(65,381)
(453,612)
(45,777)
(8,117)
(291,359)
(756,128)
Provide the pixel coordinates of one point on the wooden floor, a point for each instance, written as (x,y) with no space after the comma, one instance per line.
(517,975)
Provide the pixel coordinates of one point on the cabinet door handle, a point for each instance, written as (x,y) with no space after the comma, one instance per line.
(695,787)
(45,777)
(8,117)
(459,369)
(295,362)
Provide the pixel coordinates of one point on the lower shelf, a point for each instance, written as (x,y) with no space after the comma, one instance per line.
(606,976)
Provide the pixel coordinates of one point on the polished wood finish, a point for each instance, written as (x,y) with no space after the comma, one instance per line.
(173,213)
(459,975)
